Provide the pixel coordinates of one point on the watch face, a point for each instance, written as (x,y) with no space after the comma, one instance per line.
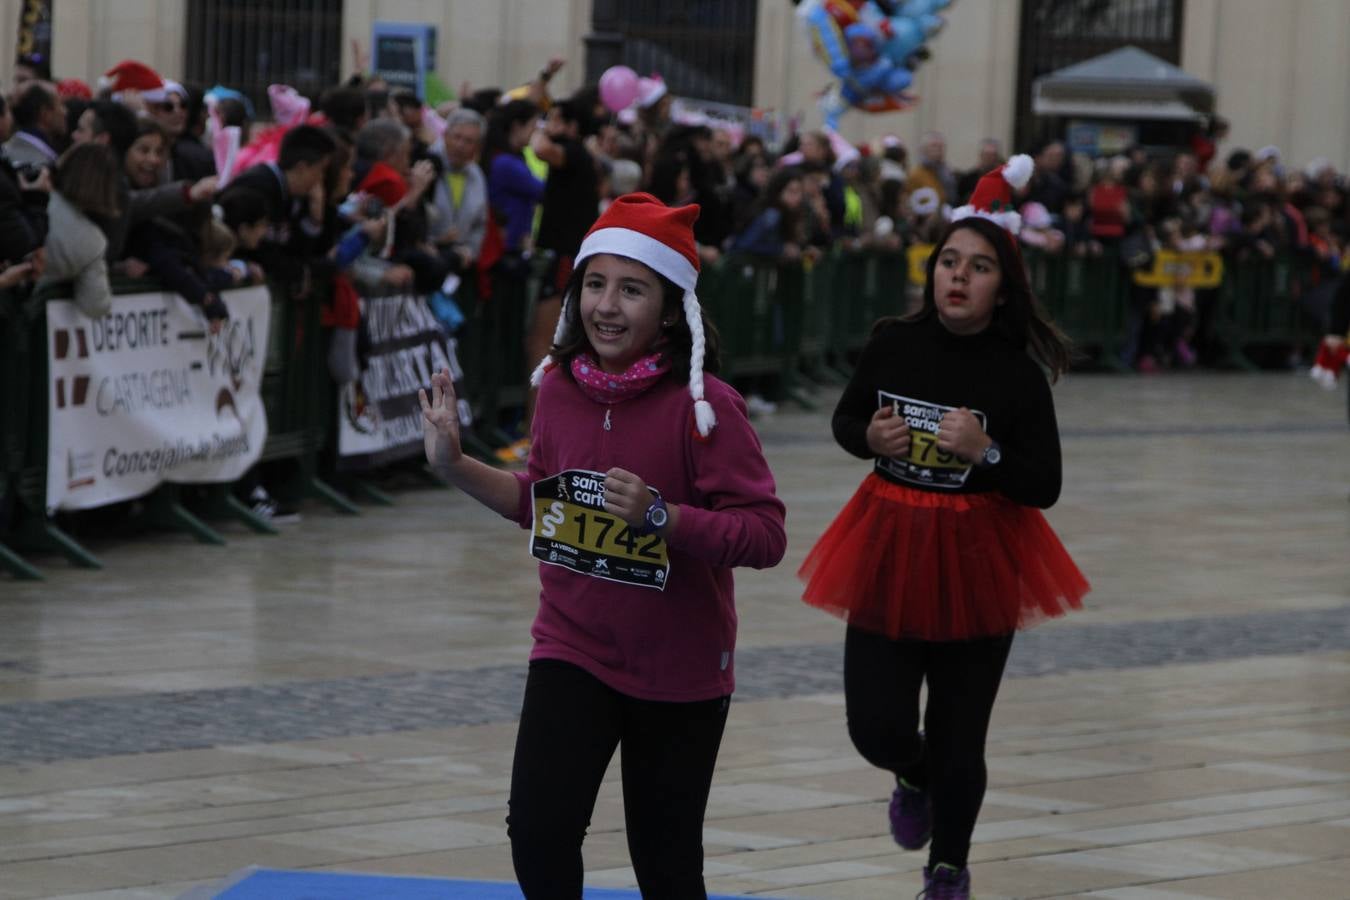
(992,455)
(658,517)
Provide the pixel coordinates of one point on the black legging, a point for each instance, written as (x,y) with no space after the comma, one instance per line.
(569,727)
(882,678)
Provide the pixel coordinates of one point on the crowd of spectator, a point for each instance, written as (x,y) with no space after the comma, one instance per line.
(368,188)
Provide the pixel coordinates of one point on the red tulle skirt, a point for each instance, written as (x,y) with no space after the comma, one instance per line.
(918,564)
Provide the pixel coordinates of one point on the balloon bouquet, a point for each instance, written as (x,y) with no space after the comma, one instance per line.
(872,47)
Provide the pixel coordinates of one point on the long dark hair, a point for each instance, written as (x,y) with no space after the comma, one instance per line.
(677,346)
(87,176)
(1020,318)
(792,222)
(500,120)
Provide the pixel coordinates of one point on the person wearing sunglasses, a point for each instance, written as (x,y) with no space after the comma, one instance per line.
(172,107)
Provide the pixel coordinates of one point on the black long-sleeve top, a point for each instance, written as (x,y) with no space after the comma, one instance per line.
(930,369)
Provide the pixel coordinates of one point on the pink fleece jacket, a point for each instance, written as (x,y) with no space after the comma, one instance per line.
(677,644)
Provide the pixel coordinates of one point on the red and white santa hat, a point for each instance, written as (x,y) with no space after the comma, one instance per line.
(642,228)
(993,195)
(130,75)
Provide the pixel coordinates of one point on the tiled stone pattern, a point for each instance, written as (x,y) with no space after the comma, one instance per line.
(1187,735)
(301,710)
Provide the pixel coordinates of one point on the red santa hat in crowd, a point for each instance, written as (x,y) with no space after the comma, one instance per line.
(642,228)
(384,183)
(129,75)
(74,89)
(1329,364)
(992,198)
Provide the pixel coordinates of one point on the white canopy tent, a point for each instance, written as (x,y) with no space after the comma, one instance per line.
(1127,84)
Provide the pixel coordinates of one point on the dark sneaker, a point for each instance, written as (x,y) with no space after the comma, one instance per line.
(261,503)
(911,815)
(944,882)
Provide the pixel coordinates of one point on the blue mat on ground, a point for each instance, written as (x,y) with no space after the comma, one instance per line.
(275,884)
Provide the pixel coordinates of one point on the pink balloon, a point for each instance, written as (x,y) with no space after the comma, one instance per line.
(618,88)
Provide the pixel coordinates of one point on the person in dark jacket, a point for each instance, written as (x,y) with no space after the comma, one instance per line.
(182,113)
(293,189)
(23,203)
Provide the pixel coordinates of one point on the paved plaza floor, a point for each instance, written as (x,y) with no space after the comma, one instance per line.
(343,697)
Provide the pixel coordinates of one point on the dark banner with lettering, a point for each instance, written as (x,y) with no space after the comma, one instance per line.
(379,418)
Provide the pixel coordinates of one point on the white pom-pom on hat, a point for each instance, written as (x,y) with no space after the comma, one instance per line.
(1017,171)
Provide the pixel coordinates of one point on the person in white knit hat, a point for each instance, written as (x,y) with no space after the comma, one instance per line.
(645,486)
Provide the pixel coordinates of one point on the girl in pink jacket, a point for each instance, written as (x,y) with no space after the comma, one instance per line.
(645,486)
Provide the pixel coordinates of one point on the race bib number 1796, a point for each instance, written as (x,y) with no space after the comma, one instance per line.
(573,530)
(927,463)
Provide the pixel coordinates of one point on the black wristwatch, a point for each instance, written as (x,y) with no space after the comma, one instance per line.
(992,456)
(655,519)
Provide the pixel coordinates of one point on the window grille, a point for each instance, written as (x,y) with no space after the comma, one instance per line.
(249,44)
(704,49)
(1059,33)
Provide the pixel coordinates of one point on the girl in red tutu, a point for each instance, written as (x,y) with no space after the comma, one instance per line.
(943,552)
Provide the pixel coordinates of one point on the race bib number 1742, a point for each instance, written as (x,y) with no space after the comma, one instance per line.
(573,530)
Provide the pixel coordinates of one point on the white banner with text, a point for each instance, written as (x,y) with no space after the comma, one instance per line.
(148,395)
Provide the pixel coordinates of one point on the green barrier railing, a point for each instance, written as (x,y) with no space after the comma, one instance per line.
(300,399)
(31,528)
(1086,297)
(493,350)
(872,285)
(797,324)
(799,321)
(15,418)
(1259,306)
(297,398)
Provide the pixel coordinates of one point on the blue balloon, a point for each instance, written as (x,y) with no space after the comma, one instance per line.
(870,53)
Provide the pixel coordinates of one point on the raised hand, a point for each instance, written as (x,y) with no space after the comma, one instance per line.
(203,189)
(440,422)
(423,176)
(888,433)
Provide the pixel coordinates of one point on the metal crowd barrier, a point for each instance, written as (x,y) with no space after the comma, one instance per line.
(295,395)
(800,321)
(1259,305)
(16,369)
(1087,297)
(801,324)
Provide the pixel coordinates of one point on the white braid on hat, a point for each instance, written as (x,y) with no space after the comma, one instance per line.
(704,417)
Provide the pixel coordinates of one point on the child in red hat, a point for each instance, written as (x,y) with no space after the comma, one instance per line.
(646,485)
(943,553)
(1333,355)
(130,75)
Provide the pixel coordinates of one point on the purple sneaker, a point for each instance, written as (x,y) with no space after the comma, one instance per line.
(911,816)
(944,882)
